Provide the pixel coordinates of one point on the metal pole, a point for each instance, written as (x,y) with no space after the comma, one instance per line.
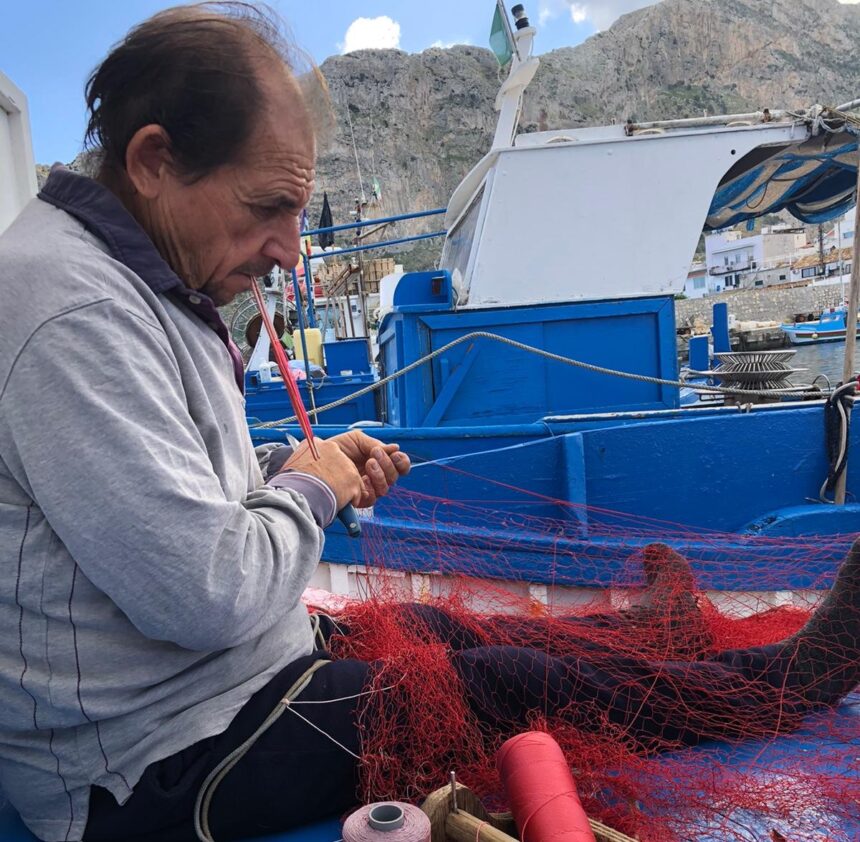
(383,243)
(850,330)
(841,262)
(298,294)
(309,284)
(365,222)
(360,285)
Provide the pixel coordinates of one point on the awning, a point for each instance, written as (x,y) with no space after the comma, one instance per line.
(814,180)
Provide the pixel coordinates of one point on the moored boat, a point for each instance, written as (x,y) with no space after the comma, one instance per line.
(830,327)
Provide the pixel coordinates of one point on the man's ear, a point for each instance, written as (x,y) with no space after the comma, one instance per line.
(148,160)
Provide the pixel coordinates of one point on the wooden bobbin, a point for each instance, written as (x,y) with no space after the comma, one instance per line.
(471,822)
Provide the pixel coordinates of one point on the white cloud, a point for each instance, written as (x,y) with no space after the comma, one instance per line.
(544,14)
(444,45)
(380,33)
(549,9)
(600,13)
(578,12)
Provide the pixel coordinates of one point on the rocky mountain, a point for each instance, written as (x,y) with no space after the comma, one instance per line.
(418,122)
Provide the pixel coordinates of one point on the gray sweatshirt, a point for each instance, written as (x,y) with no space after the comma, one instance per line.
(149,579)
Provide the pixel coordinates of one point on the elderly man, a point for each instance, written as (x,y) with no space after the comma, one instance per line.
(151,577)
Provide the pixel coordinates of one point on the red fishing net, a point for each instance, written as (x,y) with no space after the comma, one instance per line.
(584,624)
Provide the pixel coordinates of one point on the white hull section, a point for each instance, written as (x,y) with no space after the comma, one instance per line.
(334,585)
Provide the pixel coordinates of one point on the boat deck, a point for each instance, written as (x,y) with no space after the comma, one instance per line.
(762,760)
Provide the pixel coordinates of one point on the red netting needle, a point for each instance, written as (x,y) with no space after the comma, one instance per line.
(347,515)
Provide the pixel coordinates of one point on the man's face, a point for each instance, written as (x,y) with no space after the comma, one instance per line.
(243,218)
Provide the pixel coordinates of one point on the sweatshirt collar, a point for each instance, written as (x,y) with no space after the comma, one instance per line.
(102,213)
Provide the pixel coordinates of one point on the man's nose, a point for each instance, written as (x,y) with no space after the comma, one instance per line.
(284,244)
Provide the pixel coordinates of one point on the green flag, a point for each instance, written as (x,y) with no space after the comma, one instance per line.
(500,37)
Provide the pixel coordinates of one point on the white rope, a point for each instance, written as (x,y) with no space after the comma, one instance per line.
(343,698)
(216,776)
(291,709)
(482,334)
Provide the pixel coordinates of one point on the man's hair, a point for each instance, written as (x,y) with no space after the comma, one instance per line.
(195,71)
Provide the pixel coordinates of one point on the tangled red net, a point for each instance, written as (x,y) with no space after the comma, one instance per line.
(619,647)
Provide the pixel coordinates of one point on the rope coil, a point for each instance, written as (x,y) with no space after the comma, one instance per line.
(837,419)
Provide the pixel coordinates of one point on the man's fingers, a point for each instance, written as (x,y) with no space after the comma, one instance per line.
(378,480)
(384,464)
(367,497)
(402,462)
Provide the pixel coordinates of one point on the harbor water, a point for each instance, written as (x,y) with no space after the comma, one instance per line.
(824,358)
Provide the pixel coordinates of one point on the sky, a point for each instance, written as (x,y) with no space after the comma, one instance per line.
(49,47)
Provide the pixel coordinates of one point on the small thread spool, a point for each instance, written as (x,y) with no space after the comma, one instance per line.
(387,821)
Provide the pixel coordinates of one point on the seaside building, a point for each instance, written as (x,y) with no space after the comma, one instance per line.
(696,285)
(737,262)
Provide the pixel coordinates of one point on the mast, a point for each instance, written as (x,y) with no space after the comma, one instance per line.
(509,100)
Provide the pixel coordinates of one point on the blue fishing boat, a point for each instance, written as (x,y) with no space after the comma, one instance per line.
(830,327)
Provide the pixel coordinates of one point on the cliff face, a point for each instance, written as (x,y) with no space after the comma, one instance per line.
(420,122)
(680,57)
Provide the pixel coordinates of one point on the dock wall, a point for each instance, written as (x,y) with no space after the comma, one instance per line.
(765,304)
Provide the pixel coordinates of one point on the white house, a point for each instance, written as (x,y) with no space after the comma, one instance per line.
(728,256)
(696,285)
(736,262)
(840,233)
(17,168)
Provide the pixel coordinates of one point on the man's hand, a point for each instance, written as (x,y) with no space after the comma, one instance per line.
(357,468)
(380,465)
(333,467)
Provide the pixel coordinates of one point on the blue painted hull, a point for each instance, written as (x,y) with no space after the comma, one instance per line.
(813,337)
(567,501)
(830,328)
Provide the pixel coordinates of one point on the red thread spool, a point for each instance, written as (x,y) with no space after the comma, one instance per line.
(540,789)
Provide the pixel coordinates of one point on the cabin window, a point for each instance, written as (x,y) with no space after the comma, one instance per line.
(458,244)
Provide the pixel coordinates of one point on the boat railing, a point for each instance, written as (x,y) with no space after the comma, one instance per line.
(355,248)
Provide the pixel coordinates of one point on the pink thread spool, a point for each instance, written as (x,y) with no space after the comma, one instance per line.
(540,789)
(387,821)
